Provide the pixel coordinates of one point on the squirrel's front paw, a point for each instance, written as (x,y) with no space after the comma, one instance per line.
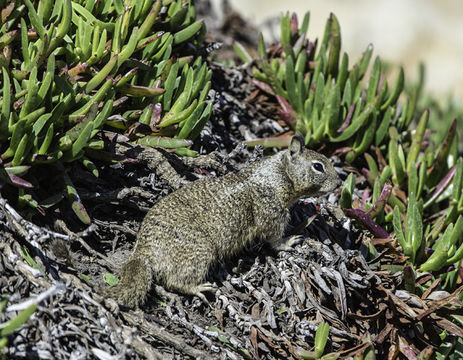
(288,243)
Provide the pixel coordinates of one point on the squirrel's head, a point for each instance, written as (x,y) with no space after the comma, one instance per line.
(310,172)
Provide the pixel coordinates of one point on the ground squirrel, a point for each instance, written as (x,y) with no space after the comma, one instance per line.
(210,220)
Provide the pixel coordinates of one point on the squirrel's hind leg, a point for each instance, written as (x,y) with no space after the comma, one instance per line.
(198,290)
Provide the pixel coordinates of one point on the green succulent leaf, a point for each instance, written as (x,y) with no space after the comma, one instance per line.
(165,142)
(110,279)
(440,255)
(6,105)
(334,45)
(241,52)
(187,33)
(356,124)
(321,337)
(36,21)
(399,232)
(347,190)
(398,87)
(14,324)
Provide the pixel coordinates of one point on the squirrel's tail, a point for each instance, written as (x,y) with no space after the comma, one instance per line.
(136,278)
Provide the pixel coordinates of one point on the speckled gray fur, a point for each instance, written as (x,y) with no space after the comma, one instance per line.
(210,220)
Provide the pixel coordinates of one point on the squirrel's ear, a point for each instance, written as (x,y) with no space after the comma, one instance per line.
(297,145)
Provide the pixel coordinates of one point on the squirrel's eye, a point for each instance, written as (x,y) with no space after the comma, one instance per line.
(318,166)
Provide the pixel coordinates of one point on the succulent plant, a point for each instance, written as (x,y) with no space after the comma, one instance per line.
(413,173)
(14,324)
(319,96)
(70,68)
